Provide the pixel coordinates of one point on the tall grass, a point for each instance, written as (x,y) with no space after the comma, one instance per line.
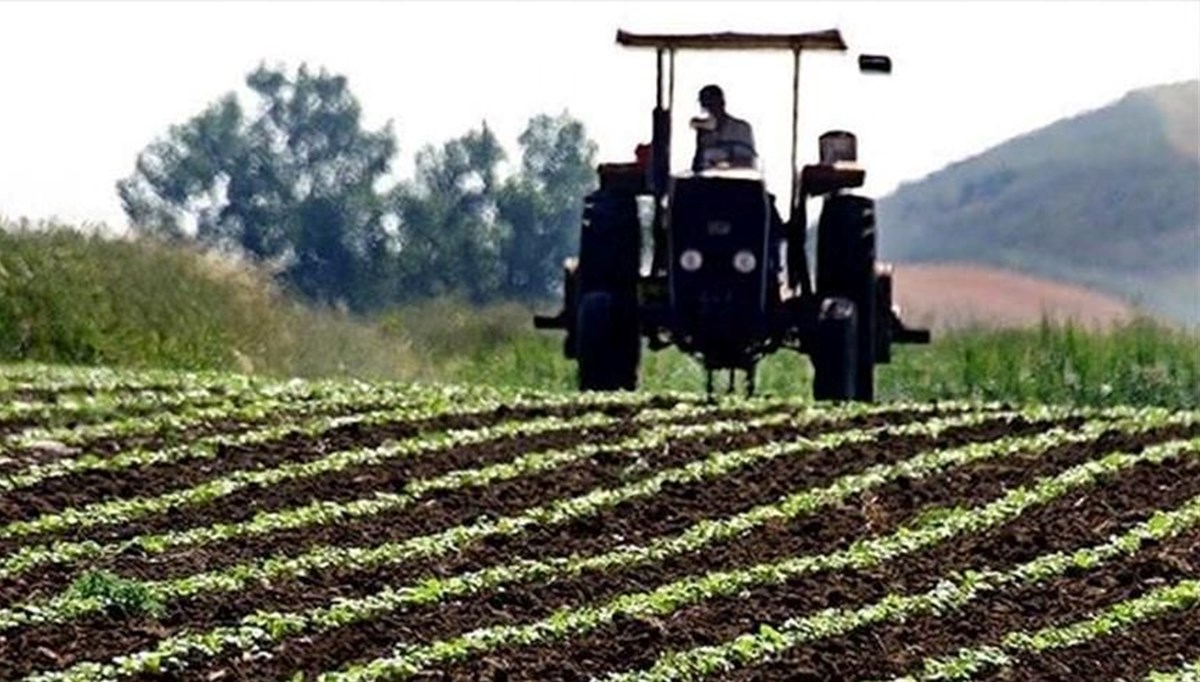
(72,298)
(1141,362)
(69,297)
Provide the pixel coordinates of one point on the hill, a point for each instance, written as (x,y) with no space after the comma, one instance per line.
(1108,199)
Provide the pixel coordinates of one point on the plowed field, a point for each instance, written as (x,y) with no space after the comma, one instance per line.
(159,526)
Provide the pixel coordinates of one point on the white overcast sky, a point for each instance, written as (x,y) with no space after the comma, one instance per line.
(84,86)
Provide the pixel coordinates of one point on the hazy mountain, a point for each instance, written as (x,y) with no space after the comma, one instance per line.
(1109,199)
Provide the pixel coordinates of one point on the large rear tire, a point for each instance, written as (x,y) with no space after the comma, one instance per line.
(836,357)
(608,345)
(846,269)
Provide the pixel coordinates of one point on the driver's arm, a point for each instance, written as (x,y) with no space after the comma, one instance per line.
(697,159)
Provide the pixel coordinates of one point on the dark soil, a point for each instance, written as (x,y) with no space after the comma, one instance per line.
(52,578)
(167,435)
(827,531)
(88,487)
(436,512)
(441,512)
(894,649)
(293,448)
(1080,519)
(444,509)
(1164,643)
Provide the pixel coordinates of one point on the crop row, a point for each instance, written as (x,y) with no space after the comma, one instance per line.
(325,512)
(123,510)
(174,411)
(970,662)
(331,412)
(951,594)
(1188,672)
(317,397)
(663,601)
(47,379)
(322,512)
(266,627)
(277,411)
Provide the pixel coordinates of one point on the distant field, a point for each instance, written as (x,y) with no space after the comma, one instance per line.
(961,294)
(158,525)
(71,299)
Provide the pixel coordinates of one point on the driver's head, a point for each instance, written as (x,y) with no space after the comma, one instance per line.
(712,99)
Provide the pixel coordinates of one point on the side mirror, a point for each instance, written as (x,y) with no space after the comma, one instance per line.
(874,63)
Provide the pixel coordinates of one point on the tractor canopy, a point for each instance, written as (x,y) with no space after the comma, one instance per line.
(816,40)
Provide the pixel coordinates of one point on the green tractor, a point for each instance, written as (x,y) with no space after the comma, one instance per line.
(717,284)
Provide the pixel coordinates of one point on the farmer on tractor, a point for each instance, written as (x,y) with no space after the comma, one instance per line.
(719,284)
(721,139)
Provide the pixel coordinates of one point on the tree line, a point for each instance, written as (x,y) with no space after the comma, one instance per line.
(296,182)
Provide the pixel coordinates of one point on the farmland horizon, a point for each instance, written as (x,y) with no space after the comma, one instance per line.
(403,72)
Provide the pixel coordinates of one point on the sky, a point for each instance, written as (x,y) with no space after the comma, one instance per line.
(84,86)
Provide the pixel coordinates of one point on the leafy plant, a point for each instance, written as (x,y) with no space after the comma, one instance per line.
(115,593)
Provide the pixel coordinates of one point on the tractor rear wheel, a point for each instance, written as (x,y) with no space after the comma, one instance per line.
(836,358)
(846,269)
(607,343)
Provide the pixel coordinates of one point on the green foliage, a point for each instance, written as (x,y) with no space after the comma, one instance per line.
(116,593)
(67,297)
(465,231)
(1139,363)
(294,183)
(542,205)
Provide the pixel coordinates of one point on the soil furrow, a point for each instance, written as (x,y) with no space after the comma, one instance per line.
(451,508)
(87,487)
(78,417)
(443,509)
(1079,519)
(404,522)
(737,492)
(893,649)
(1160,644)
(879,512)
(168,434)
(351,482)
(38,394)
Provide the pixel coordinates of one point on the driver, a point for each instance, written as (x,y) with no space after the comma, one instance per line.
(721,139)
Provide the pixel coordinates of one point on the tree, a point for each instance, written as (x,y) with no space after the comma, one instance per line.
(450,234)
(542,204)
(293,183)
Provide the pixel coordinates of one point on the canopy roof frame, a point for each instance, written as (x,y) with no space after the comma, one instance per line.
(667,44)
(828,40)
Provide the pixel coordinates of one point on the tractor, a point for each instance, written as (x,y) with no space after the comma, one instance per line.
(725,279)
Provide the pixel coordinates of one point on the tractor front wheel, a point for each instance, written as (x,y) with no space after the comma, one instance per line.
(607,343)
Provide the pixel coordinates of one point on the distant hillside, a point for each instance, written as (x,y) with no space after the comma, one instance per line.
(1109,199)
